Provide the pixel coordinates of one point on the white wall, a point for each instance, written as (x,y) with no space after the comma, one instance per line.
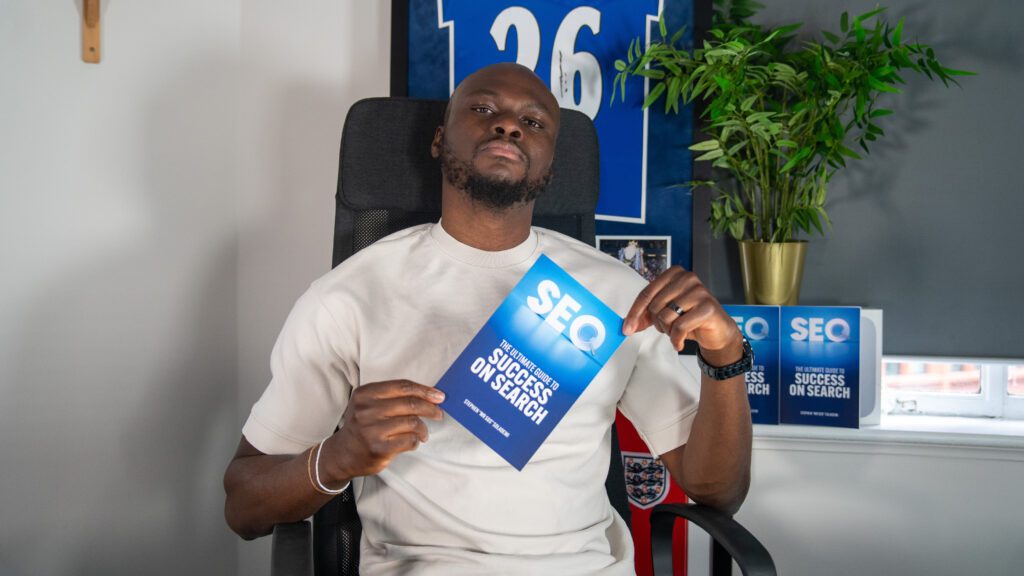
(304,64)
(867,504)
(159,213)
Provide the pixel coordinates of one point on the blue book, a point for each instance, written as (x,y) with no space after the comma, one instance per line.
(760,325)
(530,362)
(820,366)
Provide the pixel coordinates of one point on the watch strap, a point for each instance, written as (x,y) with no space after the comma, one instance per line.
(741,366)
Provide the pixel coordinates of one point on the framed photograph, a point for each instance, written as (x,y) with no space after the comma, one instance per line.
(572,46)
(647,255)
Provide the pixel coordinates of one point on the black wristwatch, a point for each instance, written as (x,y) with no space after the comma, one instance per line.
(741,366)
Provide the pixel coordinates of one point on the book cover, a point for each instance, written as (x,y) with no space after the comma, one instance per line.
(760,325)
(531,360)
(820,366)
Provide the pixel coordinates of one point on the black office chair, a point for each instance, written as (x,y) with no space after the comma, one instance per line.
(388,181)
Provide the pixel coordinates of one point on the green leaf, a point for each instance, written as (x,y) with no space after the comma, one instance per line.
(952,72)
(620,65)
(736,148)
(879,112)
(736,229)
(672,101)
(783,31)
(679,34)
(848,153)
(710,155)
(661,25)
(897,34)
(722,162)
(654,74)
(844,22)
(831,37)
(867,15)
(787,143)
(881,86)
(759,116)
(654,95)
(817,222)
(748,103)
(705,146)
(804,152)
(883,72)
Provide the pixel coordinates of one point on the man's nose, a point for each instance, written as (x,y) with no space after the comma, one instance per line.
(507,125)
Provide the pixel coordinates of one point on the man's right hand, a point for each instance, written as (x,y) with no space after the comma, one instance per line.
(383,419)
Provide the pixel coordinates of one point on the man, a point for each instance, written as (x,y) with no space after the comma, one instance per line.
(364,346)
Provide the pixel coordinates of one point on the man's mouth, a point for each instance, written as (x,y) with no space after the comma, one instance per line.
(503,149)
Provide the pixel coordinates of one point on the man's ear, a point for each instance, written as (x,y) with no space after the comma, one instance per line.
(435,146)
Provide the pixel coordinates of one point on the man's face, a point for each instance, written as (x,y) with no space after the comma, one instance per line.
(498,140)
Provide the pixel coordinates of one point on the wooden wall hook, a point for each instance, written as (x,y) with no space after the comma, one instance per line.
(91,31)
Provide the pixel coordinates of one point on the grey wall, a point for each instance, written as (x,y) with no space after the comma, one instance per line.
(928,227)
(303,65)
(118,336)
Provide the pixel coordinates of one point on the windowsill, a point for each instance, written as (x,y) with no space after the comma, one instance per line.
(911,430)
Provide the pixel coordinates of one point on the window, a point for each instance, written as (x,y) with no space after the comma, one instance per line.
(1015,386)
(933,377)
(953,387)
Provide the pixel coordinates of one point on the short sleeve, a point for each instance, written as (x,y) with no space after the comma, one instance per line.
(661,396)
(313,370)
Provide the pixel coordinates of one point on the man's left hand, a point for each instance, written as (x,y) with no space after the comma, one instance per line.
(677,304)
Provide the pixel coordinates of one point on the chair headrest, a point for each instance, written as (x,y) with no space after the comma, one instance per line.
(386,146)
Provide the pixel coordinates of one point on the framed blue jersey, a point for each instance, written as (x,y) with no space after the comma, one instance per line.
(572,46)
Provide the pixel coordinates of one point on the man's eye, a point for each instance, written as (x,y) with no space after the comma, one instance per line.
(481,109)
(533,123)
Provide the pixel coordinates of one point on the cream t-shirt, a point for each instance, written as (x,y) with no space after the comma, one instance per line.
(404,308)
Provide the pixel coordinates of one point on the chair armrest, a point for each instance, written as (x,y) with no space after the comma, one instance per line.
(731,541)
(291,552)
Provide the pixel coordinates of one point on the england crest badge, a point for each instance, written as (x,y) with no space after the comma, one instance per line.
(646,479)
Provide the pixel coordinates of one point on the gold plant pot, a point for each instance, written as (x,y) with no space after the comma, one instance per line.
(772,271)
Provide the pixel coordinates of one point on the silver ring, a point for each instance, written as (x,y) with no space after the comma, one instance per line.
(673,307)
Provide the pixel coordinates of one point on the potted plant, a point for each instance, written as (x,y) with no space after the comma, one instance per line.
(781,118)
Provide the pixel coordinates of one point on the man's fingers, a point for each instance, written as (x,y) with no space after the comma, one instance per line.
(682,328)
(405,406)
(402,443)
(399,426)
(637,319)
(685,291)
(399,388)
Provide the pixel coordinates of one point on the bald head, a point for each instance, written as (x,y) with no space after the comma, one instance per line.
(503,72)
(497,143)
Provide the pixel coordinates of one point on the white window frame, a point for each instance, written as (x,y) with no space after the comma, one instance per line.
(992,402)
(1014,406)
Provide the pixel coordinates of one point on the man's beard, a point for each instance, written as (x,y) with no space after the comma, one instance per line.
(495,193)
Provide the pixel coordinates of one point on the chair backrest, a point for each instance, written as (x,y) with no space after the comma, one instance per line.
(389,181)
